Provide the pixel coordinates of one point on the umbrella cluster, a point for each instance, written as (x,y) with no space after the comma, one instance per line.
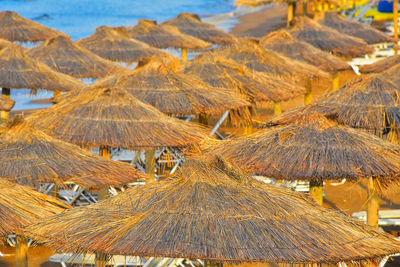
(207,206)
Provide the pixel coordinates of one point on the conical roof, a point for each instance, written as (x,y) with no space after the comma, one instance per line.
(112,117)
(355,28)
(283,42)
(257,86)
(393,74)
(329,39)
(13,27)
(30,157)
(371,103)
(6,103)
(115,44)
(64,56)
(314,148)
(164,36)
(191,24)
(20,71)
(21,206)
(381,65)
(251,54)
(160,85)
(210,210)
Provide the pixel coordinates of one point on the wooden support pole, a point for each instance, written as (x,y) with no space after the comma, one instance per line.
(335,81)
(101,259)
(203,119)
(150,163)
(373,204)
(290,13)
(184,54)
(277,108)
(396,26)
(308,95)
(21,251)
(104,151)
(56,93)
(5,115)
(317,191)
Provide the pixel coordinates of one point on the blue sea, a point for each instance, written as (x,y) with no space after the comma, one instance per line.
(80,18)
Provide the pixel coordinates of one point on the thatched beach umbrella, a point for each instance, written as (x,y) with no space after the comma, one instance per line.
(165,36)
(381,65)
(191,24)
(13,27)
(255,57)
(316,149)
(6,104)
(4,43)
(30,157)
(355,28)
(64,56)
(283,42)
(116,45)
(19,71)
(256,86)
(328,39)
(393,74)
(212,211)
(19,207)
(161,85)
(108,117)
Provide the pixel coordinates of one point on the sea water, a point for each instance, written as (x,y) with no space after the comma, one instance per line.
(80,18)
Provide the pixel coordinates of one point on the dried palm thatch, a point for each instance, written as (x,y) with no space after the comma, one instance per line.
(30,157)
(115,44)
(256,86)
(355,28)
(393,74)
(62,55)
(210,210)
(112,117)
(164,36)
(6,103)
(371,103)
(21,206)
(315,148)
(19,71)
(381,65)
(4,43)
(283,42)
(13,27)
(191,24)
(160,85)
(329,39)
(255,57)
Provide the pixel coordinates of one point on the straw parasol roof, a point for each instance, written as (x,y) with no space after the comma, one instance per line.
(64,56)
(255,57)
(20,71)
(116,45)
(257,86)
(21,206)
(381,65)
(371,103)
(6,103)
(311,147)
(191,24)
(13,27)
(392,74)
(283,42)
(329,39)
(4,43)
(210,210)
(112,117)
(160,85)
(30,157)
(355,28)
(164,36)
